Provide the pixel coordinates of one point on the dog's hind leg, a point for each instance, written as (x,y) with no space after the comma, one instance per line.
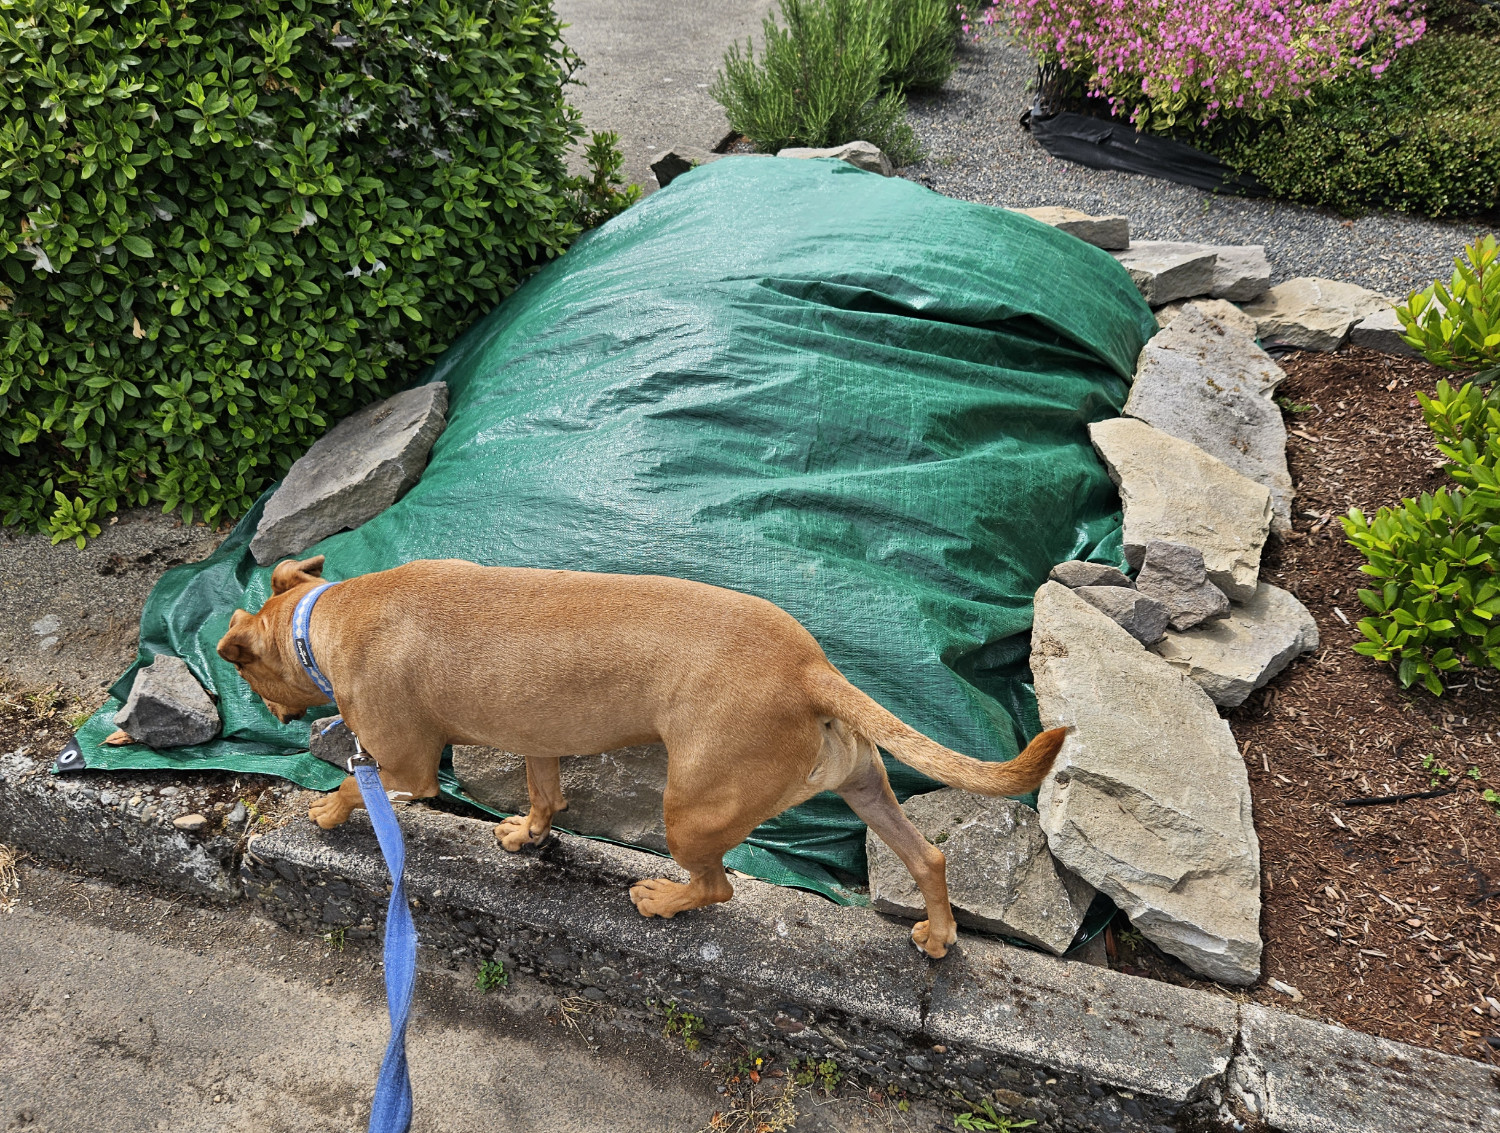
(868,793)
(544,786)
(408,770)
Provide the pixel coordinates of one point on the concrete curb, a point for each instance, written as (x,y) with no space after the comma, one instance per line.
(1075,1046)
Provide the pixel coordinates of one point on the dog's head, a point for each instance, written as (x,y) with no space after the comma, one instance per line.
(253,644)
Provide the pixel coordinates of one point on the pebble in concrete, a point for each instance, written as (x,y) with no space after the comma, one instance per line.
(1232,658)
(678,160)
(353,472)
(167,707)
(1206,383)
(1174,491)
(1383,331)
(190,823)
(1001,878)
(1164,271)
(1173,574)
(1076,573)
(1149,802)
(1144,618)
(1312,313)
(617,794)
(1112,233)
(862,155)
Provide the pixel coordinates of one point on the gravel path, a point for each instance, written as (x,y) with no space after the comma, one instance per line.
(978,152)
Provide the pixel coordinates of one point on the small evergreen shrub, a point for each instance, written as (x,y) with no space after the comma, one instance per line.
(1458,326)
(224,225)
(837,72)
(1423,138)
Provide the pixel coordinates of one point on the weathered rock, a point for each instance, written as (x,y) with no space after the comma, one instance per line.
(1078,573)
(863,155)
(1220,310)
(1174,491)
(678,160)
(1232,658)
(1241,271)
(1111,233)
(330,743)
(1312,313)
(1383,331)
(1163,271)
(616,794)
(167,707)
(1149,802)
(1144,618)
(1001,878)
(1173,574)
(191,823)
(353,472)
(1203,382)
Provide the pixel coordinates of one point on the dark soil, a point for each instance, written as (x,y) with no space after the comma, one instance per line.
(1384,917)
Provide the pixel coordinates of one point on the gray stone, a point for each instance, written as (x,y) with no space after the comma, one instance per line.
(1241,271)
(862,155)
(1218,309)
(1232,658)
(1383,331)
(1174,491)
(1163,271)
(1144,618)
(1149,801)
(1000,876)
(678,160)
(1076,573)
(616,794)
(353,472)
(1205,383)
(1112,233)
(1312,313)
(167,707)
(330,743)
(1173,574)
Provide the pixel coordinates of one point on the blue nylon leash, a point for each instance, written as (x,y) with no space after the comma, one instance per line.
(392,1107)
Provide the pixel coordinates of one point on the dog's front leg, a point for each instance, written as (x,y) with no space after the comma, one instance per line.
(544,786)
(333,809)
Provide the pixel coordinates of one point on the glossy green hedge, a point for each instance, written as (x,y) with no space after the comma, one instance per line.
(225,225)
(1422,138)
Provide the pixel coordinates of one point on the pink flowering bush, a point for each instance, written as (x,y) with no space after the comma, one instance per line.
(1162,61)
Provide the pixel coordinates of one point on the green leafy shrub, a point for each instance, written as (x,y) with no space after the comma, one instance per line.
(837,73)
(1424,137)
(1458,326)
(1435,556)
(225,225)
(603,193)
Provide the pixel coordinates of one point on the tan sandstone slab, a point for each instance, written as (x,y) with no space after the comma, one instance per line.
(1174,491)
(1112,233)
(1312,313)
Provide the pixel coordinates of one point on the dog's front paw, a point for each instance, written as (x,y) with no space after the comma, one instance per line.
(658,897)
(930,942)
(329,811)
(515,832)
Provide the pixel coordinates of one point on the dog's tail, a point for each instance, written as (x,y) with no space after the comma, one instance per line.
(832,695)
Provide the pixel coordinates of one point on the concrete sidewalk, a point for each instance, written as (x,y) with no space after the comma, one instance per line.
(648,65)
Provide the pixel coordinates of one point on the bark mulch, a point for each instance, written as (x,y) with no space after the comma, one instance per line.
(1384,918)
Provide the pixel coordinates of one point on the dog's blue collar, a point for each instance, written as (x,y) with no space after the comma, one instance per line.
(301,627)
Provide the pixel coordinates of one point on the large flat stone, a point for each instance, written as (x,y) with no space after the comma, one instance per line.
(1174,491)
(862,155)
(1312,313)
(353,472)
(1164,271)
(1001,877)
(1112,233)
(1383,331)
(1139,615)
(167,707)
(1220,309)
(1077,572)
(1241,271)
(1231,658)
(1149,802)
(1204,382)
(614,795)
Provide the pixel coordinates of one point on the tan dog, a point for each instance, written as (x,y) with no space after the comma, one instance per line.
(550,663)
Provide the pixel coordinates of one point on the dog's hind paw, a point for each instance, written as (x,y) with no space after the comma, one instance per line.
(514,832)
(931,943)
(658,897)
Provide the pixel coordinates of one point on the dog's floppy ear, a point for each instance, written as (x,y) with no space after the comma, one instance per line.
(238,645)
(292,573)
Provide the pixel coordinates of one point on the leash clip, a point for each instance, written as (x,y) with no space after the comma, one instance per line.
(360,758)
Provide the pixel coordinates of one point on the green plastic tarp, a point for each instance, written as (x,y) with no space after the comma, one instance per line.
(842,392)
